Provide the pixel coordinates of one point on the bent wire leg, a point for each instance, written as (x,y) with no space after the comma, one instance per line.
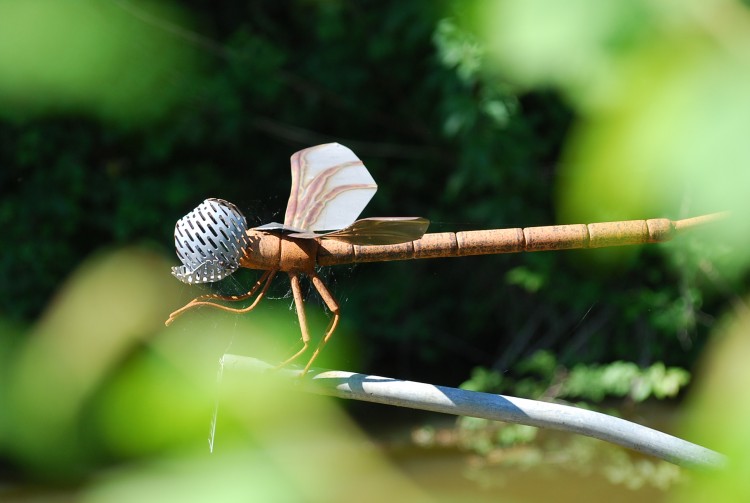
(299,305)
(333,306)
(203,300)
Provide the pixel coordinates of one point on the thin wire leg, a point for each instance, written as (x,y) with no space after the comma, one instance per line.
(299,305)
(203,300)
(333,306)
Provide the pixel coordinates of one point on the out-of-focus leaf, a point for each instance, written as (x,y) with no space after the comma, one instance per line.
(115,60)
(718,412)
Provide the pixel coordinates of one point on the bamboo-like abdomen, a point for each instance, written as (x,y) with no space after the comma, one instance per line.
(485,242)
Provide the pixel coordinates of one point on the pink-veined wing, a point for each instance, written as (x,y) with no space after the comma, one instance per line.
(330,188)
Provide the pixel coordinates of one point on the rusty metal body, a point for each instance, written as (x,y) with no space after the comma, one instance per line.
(330,187)
(273,250)
(514,240)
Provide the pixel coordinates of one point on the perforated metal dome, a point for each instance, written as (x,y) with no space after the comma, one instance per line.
(209,242)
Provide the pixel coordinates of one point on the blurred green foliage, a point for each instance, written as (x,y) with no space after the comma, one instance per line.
(541,376)
(660,88)
(717,413)
(89,57)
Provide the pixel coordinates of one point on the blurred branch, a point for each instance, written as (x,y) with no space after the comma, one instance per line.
(176,30)
(460,402)
(304,136)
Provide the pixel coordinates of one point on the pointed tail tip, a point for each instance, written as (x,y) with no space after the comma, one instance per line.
(689,223)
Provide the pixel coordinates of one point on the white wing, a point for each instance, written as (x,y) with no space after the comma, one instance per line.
(330,188)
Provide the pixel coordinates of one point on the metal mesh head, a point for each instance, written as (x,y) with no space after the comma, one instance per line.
(209,242)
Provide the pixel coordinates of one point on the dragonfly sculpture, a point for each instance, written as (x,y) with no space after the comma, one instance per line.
(330,188)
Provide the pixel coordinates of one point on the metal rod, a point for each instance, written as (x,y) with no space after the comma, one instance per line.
(509,409)
(514,240)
